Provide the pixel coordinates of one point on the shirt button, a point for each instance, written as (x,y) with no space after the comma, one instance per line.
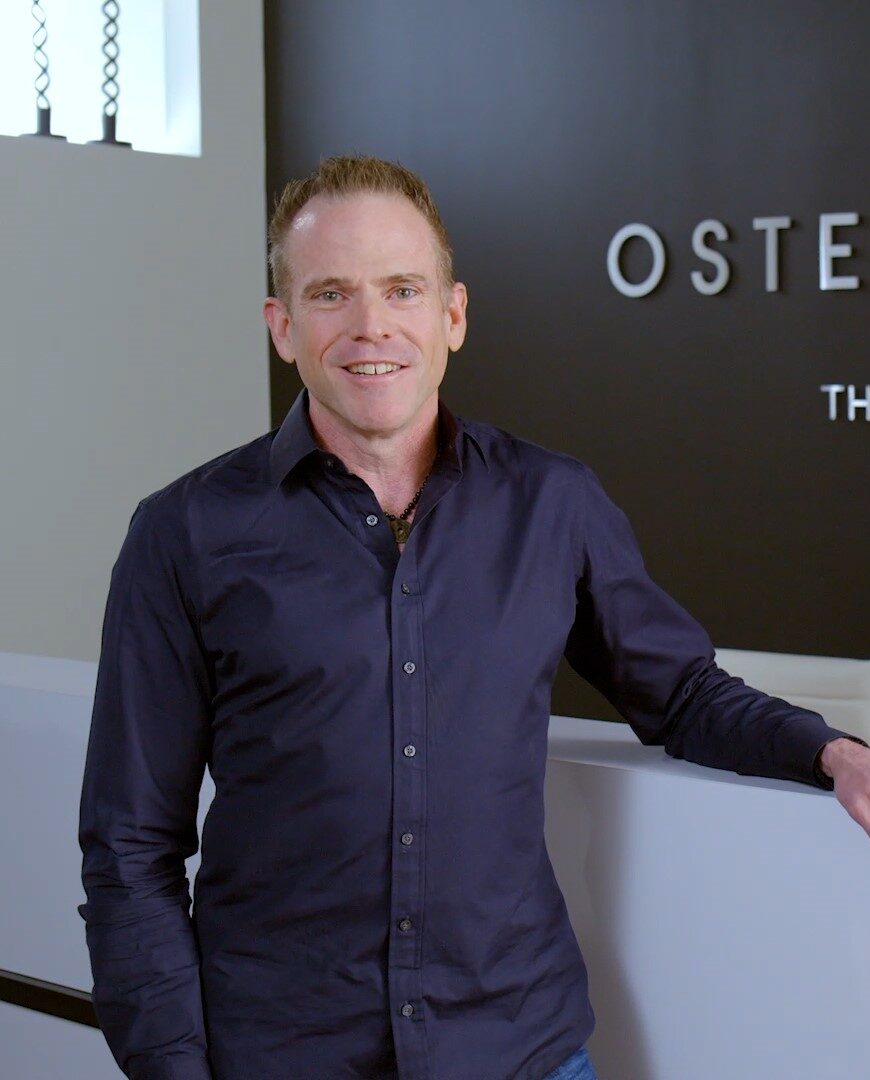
(409,666)
(329,462)
(409,750)
(407,1009)
(406,588)
(407,838)
(372,519)
(404,924)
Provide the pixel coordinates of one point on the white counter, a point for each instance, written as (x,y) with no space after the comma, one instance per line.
(725,920)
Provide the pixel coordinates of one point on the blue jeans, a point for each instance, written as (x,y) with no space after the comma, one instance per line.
(577,1067)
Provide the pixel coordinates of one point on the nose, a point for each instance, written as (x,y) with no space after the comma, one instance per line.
(369,318)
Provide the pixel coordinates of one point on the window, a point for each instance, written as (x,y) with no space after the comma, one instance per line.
(158,105)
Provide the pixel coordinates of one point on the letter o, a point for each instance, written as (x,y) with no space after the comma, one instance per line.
(643,232)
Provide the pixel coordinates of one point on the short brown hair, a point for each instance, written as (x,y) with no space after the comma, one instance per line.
(345,175)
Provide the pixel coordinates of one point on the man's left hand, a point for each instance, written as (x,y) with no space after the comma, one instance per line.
(848,763)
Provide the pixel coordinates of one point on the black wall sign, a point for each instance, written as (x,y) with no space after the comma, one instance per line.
(544,130)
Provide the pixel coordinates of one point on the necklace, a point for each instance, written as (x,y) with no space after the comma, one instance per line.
(398,523)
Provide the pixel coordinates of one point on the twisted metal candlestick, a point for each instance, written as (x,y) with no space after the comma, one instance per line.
(111,51)
(43,79)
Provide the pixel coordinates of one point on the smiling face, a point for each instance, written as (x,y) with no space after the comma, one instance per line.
(366,289)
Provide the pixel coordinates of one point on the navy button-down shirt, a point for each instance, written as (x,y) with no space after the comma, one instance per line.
(375,898)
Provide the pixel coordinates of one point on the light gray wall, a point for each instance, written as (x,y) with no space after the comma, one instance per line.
(36,1046)
(131,341)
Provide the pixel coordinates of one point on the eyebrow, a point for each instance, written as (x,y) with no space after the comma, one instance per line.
(344,283)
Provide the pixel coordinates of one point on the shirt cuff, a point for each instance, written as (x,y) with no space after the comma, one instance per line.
(822,778)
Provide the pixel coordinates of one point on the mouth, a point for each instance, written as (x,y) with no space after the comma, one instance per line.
(383,377)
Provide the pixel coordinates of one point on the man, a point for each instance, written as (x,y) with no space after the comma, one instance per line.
(355,621)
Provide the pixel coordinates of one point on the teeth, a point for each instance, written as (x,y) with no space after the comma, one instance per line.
(373,369)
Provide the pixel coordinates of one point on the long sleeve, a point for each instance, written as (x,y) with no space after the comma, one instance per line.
(655,663)
(145,760)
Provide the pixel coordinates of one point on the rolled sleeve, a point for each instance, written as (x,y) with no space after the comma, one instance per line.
(655,663)
(146,756)
(821,777)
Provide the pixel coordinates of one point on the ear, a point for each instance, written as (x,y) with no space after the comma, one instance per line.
(457,303)
(279,323)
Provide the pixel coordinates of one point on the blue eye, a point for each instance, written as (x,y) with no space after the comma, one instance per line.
(407,289)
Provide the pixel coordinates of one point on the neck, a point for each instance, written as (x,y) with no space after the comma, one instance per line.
(393,464)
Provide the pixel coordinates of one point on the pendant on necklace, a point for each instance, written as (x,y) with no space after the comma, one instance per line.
(401,529)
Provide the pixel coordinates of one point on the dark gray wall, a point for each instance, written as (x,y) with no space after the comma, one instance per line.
(542,128)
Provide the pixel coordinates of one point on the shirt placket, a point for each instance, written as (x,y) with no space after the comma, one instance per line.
(410,718)
(409,821)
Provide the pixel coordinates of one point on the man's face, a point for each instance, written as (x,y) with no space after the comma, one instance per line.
(366,289)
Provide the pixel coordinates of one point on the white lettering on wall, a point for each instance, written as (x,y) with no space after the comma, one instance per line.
(715,258)
(853,402)
(828,251)
(642,232)
(771,227)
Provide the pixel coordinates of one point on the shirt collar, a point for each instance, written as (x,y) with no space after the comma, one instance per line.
(295,440)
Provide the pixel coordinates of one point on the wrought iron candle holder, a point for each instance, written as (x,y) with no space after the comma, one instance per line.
(43,79)
(111,51)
